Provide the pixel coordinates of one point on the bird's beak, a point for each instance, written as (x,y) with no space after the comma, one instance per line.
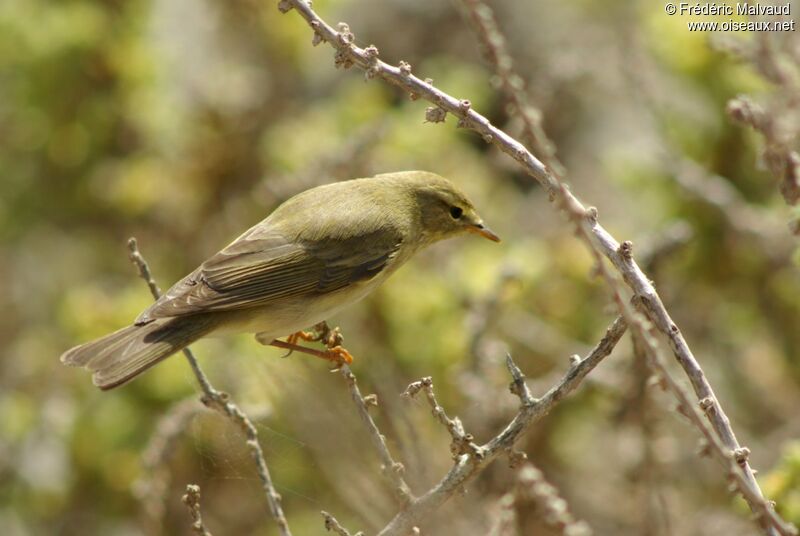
(481,229)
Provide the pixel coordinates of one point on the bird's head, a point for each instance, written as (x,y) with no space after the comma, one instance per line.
(445,210)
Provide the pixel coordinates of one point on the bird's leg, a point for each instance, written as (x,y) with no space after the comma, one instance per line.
(319,331)
(297,336)
(340,355)
(331,338)
(337,354)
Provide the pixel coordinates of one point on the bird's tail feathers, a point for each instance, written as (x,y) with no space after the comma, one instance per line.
(126,353)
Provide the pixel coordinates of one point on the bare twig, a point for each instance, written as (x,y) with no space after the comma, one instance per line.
(735,460)
(781,159)
(151,488)
(221,402)
(777,120)
(533,487)
(495,51)
(654,513)
(462,442)
(467,466)
(192,501)
(392,469)
(505,519)
(144,272)
(597,239)
(717,192)
(518,387)
(332,525)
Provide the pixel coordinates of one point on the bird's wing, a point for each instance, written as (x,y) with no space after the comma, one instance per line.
(263,266)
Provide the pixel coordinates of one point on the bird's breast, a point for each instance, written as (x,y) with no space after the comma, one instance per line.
(288,316)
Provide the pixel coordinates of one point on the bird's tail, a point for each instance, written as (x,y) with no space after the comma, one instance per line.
(124,354)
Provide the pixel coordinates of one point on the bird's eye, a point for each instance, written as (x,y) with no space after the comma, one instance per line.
(456,212)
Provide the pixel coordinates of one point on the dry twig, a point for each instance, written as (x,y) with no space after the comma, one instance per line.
(462,441)
(493,45)
(221,402)
(778,120)
(735,460)
(331,524)
(779,156)
(392,469)
(531,486)
(151,488)
(654,512)
(505,518)
(192,501)
(468,465)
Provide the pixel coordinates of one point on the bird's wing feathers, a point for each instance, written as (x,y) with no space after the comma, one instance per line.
(261,267)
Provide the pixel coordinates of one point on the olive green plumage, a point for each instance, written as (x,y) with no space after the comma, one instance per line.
(321,250)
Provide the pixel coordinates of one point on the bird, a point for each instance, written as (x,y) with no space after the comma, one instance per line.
(318,252)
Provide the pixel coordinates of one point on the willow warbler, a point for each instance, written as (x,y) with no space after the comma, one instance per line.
(318,252)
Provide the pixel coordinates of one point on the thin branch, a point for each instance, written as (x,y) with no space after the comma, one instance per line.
(778,120)
(467,466)
(505,519)
(518,387)
(781,159)
(192,501)
(136,258)
(331,524)
(655,511)
(392,469)
(715,191)
(597,239)
(533,487)
(462,442)
(221,402)
(495,51)
(735,460)
(151,488)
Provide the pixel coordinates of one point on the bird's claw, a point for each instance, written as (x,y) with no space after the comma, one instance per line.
(340,356)
(298,336)
(330,337)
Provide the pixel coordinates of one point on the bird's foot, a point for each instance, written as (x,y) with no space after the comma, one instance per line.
(331,338)
(299,336)
(340,356)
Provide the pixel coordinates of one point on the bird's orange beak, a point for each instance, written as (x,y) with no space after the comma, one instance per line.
(482,230)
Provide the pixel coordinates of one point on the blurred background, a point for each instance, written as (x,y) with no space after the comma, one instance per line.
(185,122)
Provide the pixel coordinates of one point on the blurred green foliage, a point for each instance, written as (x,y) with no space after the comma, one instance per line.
(783,482)
(184,123)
